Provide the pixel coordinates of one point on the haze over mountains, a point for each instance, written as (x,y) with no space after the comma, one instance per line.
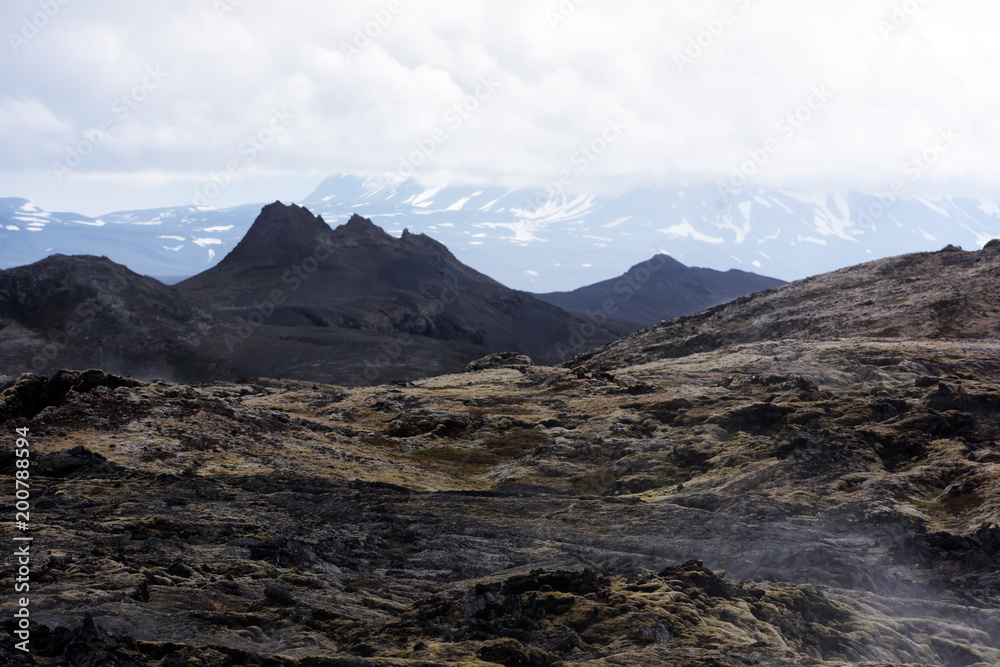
(539,240)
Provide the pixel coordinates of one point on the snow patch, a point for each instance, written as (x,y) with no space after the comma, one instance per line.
(423,200)
(745,208)
(990,208)
(934,207)
(615,223)
(781,204)
(843,208)
(686,230)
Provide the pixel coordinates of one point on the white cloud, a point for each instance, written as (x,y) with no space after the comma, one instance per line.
(557,89)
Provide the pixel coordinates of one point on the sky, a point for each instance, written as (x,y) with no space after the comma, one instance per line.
(109,105)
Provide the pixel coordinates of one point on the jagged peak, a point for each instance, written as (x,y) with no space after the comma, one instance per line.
(359,222)
(280,229)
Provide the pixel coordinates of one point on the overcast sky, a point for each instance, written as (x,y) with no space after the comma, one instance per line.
(107,105)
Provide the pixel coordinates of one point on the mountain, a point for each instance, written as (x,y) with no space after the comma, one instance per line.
(946,295)
(292,270)
(661,288)
(536,239)
(88,312)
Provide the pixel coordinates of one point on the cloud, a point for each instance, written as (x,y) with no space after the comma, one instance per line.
(228,74)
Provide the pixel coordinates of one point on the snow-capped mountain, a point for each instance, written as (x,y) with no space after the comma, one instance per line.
(530,240)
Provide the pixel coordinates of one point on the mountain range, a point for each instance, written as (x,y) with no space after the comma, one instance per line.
(294,298)
(540,240)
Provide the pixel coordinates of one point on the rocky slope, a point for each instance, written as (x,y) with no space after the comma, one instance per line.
(661,288)
(85,311)
(777,503)
(950,294)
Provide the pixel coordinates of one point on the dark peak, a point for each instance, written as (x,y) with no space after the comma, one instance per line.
(291,215)
(359,229)
(658,263)
(280,232)
(359,225)
(357,221)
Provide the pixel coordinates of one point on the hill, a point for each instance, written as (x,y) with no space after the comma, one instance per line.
(87,312)
(661,288)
